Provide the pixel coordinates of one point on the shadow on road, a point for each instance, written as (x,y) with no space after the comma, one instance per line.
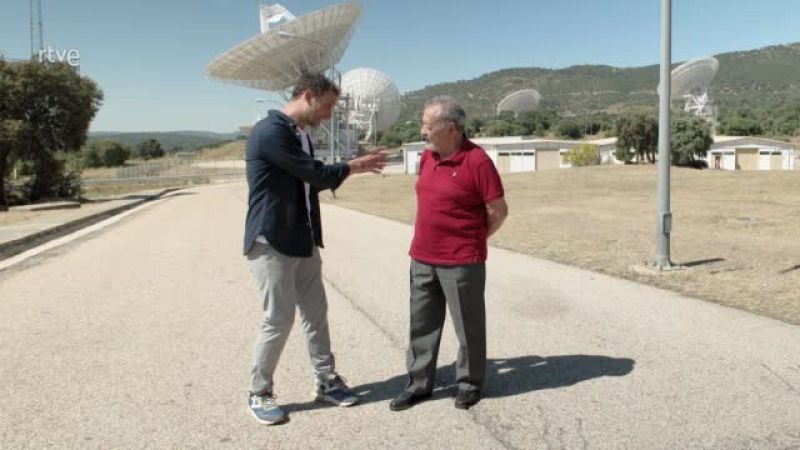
(506,377)
(702,262)
(165,194)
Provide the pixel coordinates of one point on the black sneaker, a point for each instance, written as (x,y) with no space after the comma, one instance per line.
(265,410)
(466,398)
(406,400)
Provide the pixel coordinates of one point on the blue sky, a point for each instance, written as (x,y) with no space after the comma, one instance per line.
(148,56)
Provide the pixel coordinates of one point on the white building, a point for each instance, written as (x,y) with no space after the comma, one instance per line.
(751,153)
(512,154)
(515,154)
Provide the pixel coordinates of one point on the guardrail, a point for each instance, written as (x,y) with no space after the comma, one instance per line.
(163,171)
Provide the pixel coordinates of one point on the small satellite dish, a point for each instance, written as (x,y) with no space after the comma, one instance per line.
(520,101)
(373,100)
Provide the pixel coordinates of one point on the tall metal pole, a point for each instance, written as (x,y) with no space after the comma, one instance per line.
(333,113)
(664,217)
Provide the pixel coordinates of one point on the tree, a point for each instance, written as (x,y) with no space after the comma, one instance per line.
(502,127)
(52,107)
(743,126)
(537,122)
(570,129)
(474,126)
(105,153)
(583,155)
(11,129)
(149,149)
(637,129)
(508,116)
(691,138)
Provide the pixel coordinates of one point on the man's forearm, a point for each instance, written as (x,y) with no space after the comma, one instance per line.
(496,213)
(494,224)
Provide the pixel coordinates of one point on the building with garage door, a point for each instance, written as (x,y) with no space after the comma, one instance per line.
(513,154)
(751,153)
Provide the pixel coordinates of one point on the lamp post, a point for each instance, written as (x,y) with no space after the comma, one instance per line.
(332,71)
(664,216)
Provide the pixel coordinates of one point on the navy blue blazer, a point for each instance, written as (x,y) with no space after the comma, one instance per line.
(277,167)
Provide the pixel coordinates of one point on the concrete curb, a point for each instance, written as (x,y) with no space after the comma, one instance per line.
(17,246)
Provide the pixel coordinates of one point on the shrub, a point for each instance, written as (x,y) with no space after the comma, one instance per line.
(583,155)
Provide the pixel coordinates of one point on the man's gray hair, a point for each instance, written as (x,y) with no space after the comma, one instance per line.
(449,110)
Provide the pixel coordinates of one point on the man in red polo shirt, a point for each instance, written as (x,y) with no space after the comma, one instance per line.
(459,205)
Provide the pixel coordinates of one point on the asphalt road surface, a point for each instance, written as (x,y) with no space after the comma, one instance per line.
(139,335)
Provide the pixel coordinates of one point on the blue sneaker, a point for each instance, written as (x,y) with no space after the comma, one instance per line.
(265,410)
(334,390)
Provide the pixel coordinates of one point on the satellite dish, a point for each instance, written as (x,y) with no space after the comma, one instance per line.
(288,46)
(373,100)
(520,101)
(690,82)
(694,77)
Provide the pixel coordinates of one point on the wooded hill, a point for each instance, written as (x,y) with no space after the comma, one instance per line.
(758,84)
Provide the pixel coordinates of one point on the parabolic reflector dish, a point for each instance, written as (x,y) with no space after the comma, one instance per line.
(374,100)
(693,77)
(273,60)
(520,101)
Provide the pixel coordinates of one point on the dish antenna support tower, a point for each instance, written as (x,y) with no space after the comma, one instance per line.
(700,105)
(37,28)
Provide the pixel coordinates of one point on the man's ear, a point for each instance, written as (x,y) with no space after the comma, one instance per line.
(308,95)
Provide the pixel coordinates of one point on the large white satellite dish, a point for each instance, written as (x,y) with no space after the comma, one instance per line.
(690,81)
(373,100)
(520,101)
(273,59)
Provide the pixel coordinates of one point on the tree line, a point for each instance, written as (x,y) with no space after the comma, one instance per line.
(636,130)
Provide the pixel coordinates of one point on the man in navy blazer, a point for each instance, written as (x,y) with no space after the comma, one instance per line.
(282,236)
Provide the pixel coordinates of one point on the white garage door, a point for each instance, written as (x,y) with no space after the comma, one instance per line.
(729,161)
(412,161)
(522,162)
(763,161)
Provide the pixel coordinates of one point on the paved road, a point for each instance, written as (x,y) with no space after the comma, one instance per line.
(139,336)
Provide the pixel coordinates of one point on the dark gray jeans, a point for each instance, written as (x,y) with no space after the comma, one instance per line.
(286,283)
(460,289)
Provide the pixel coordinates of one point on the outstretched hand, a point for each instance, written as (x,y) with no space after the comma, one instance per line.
(371,162)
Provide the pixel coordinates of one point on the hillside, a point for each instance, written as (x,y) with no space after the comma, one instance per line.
(185,140)
(762,79)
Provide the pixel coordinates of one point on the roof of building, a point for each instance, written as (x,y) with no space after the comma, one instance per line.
(734,141)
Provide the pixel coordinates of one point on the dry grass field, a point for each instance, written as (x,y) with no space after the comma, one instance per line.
(231,150)
(739,232)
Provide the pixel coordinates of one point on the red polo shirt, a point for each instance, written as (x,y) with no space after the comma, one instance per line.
(451,221)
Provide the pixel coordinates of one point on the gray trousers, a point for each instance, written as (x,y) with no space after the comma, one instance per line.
(461,289)
(285,283)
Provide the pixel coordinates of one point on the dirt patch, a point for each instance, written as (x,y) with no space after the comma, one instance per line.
(13,217)
(738,231)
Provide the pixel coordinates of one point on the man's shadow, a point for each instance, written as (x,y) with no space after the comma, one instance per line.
(505,377)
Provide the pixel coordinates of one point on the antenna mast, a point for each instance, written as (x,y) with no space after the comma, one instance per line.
(37,28)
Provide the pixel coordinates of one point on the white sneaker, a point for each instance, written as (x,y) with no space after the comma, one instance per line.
(265,409)
(335,391)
